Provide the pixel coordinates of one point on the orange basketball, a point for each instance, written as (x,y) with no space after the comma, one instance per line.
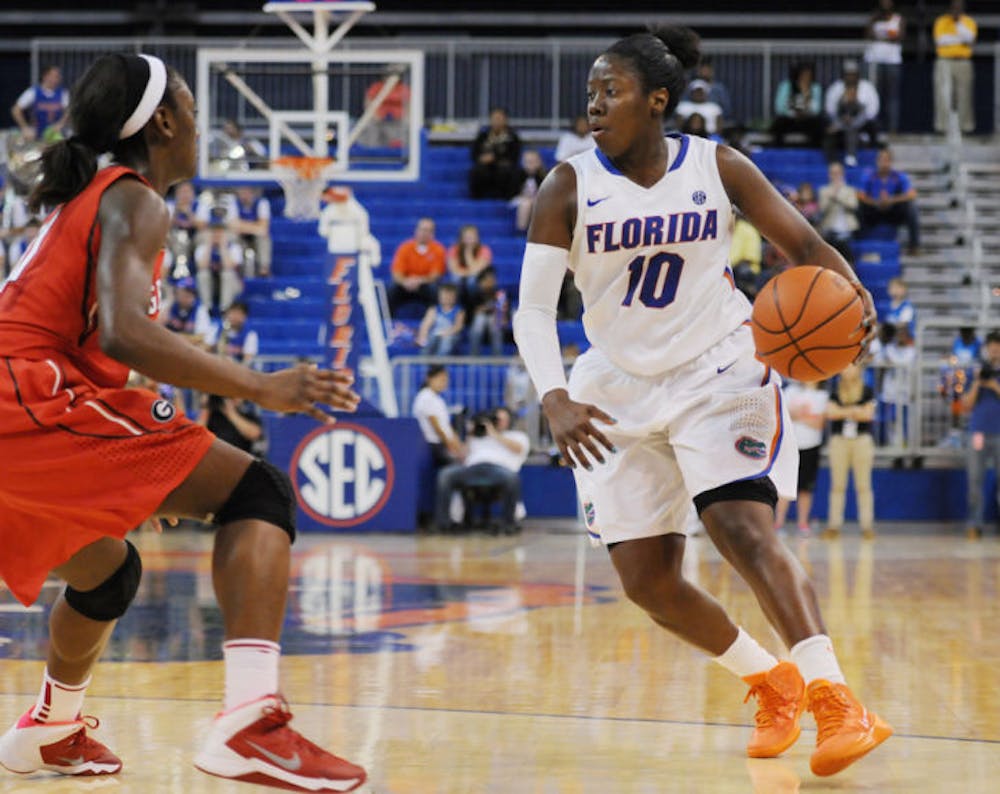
(807,323)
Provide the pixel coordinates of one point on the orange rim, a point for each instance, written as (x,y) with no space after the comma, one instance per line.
(305,167)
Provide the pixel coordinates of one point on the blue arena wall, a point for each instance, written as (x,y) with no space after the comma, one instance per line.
(900,494)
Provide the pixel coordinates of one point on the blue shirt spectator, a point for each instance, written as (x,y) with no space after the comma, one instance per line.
(900,311)
(888,197)
(46,102)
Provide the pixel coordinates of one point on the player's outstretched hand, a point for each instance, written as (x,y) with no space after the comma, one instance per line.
(304,388)
(573,430)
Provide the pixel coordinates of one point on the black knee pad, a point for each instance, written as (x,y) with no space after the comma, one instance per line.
(109,600)
(264,493)
(758,490)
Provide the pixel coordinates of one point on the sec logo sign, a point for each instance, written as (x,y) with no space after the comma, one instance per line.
(343,474)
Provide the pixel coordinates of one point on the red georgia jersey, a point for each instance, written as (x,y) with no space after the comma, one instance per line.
(49,302)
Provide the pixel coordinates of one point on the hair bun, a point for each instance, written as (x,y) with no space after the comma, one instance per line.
(683,43)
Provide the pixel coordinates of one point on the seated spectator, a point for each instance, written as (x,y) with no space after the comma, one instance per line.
(798,106)
(490,309)
(185,224)
(570,305)
(695,125)
(496,454)
(527,180)
(467,258)
(717,92)
(233,337)
(14,221)
(442,326)
(496,153)
(745,252)
(575,141)
(431,412)
(230,149)
(417,266)
(888,197)
(236,422)
(967,347)
(701,104)
(901,311)
(852,106)
(388,126)
(838,206)
(187,315)
(805,202)
(218,262)
(252,225)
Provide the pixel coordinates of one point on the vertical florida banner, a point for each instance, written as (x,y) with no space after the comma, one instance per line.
(347,337)
(359,474)
(347,327)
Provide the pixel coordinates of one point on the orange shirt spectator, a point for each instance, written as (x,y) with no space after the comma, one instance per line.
(416,266)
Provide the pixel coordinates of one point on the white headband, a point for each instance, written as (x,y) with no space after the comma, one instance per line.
(151,96)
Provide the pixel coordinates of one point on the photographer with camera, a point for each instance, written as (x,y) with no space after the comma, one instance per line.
(982,400)
(496,454)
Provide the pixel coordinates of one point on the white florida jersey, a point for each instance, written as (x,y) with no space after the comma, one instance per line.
(652,264)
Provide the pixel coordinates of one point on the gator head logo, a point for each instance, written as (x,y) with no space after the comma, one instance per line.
(751,447)
(588,513)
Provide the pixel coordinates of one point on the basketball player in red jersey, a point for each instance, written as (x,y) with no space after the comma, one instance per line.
(85,460)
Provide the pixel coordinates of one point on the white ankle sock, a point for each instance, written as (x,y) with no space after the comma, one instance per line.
(815,659)
(251,670)
(59,702)
(745,656)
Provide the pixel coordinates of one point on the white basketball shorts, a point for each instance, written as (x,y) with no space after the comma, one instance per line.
(716,420)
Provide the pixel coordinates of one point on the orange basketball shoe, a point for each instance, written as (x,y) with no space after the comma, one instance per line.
(780,694)
(253,743)
(847,730)
(62,747)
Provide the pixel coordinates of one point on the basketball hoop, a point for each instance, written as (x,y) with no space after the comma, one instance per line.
(303,180)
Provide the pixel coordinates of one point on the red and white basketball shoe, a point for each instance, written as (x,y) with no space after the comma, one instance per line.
(62,747)
(253,743)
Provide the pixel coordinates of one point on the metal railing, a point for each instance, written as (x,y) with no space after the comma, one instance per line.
(915,416)
(540,80)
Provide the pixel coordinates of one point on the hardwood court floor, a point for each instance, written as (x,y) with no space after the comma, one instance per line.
(478,665)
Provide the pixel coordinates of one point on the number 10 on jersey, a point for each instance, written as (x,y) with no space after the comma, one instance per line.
(652,293)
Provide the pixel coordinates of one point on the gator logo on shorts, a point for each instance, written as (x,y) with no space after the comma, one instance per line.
(589,514)
(751,447)
(162,411)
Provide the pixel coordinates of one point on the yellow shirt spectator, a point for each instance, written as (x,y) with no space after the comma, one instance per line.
(746,245)
(954,37)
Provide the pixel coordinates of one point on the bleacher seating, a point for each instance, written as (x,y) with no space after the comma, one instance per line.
(291,309)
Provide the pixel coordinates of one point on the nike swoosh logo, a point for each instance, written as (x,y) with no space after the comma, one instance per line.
(720,370)
(595,202)
(72,761)
(293,763)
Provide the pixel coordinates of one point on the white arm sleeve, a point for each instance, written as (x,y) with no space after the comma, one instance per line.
(535,322)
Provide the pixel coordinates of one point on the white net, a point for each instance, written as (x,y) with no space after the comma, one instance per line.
(303,180)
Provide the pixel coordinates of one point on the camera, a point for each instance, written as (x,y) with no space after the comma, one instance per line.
(480,422)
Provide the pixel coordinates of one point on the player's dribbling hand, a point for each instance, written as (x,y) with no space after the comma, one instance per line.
(869,321)
(305,387)
(573,430)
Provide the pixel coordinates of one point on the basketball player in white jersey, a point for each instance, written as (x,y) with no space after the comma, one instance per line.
(670,404)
